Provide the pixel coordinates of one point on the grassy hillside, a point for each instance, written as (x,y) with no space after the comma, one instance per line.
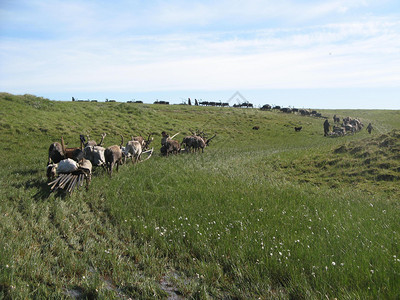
(269,213)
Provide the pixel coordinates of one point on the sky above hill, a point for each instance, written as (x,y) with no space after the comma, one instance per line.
(302,53)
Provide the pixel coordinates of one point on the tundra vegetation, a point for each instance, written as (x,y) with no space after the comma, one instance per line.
(269,213)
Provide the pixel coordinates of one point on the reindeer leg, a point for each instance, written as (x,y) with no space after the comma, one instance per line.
(88,180)
(111,169)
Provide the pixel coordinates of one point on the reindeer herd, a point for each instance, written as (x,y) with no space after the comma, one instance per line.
(67,167)
(192,143)
(347,126)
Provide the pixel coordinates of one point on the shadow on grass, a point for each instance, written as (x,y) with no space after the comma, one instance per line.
(78,292)
(43,188)
(27,172)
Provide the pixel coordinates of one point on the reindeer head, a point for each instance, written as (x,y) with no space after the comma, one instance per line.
(148,141)
(51,171)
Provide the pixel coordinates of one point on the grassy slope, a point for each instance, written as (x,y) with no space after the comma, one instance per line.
(255,215)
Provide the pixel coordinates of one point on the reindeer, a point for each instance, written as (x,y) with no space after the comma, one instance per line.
(144,143)
(336,119)
(93,152)
(202,142)
(189,142)
(51,171)
(196,141)
(113,156)
(169,145)
(339,131)
(58,152)
(134,149)
(92,142)
(172,146)
(74,153)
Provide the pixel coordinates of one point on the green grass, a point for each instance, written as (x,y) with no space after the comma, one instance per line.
(271,213)
(371,164)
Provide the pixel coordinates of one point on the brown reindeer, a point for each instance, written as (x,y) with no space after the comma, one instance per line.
(144,143)
(58,152)
(196,141)
(113,156)
(168,145)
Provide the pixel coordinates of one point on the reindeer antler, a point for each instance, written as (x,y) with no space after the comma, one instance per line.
(148,151)
(82,138)
(102,138)
(174,135)
(208,140)
(63,145)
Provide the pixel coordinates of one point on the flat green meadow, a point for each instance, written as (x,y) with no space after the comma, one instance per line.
(269,213)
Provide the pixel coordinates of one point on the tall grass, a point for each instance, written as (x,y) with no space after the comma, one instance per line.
(261,234)
(244,219)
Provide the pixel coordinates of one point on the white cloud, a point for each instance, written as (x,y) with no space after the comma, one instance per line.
(338,55)
(101,56)
(124,16)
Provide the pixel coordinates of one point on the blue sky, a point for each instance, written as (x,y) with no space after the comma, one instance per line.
(317,54)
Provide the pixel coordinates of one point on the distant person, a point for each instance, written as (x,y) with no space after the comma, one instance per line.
(369,128)
(164,138)
(326,127)
(189,102)
(196,102)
